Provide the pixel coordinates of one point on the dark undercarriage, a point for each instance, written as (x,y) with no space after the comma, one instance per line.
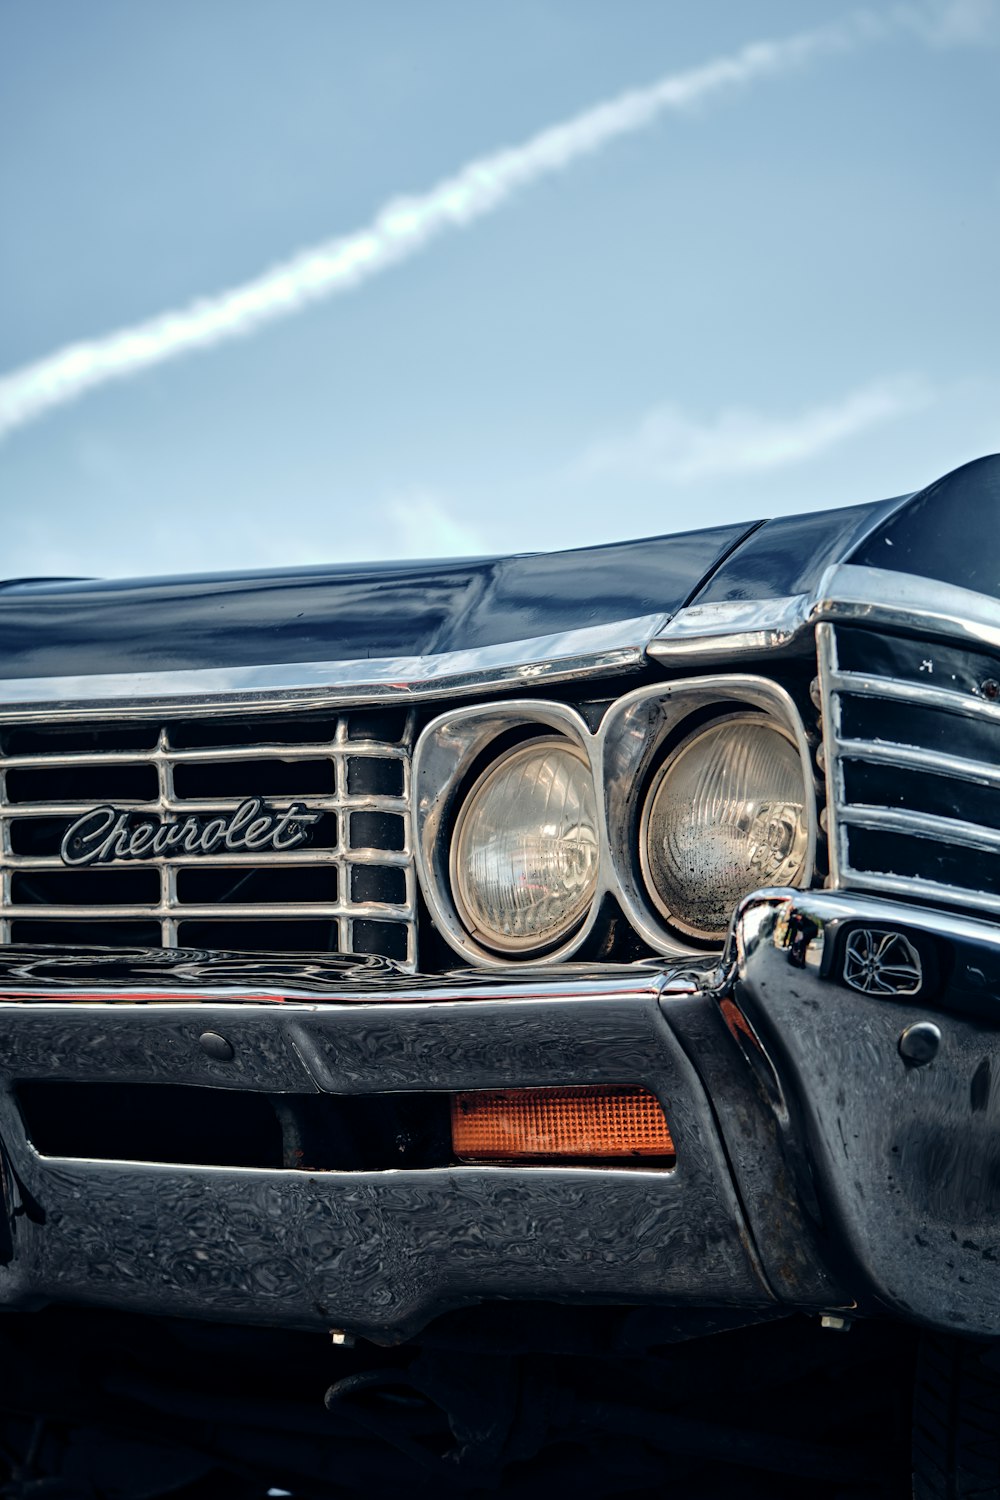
(509,1398)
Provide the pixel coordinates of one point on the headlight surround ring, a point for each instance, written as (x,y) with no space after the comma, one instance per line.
(644,729)
(450,756)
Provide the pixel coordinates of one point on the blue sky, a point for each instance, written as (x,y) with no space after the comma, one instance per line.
(782,297)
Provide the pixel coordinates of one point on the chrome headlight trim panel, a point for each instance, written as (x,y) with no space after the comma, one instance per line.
(621,755)
(444,756)
(632,736)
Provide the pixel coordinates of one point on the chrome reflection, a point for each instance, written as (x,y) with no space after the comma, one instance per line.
(881,963)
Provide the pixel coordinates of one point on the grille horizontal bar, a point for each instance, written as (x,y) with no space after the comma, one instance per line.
(349,889)
(937,762)
(264,751)
(861,685)
(913,769)
(232,859)
(163,805)
(922,825)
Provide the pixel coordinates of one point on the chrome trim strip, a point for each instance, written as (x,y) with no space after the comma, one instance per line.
(846,592)
(705,631)
(372,802)
(112,999)
(289,686)
(902,601)
(900,691)
(322,911)
(923,890)
(934,762)
(921,825)
(263,751)
(232,860)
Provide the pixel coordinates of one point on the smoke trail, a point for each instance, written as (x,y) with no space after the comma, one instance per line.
(401,228)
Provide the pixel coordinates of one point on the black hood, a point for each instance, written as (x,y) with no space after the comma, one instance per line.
(385,610)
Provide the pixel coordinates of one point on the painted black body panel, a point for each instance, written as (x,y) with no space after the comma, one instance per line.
(378,1251)
(401,609)
(345,613)
(816,1167)
(788,555)
(904,1156)
(949,531)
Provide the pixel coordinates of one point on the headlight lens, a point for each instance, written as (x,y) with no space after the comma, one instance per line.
(725,815)
(525,850)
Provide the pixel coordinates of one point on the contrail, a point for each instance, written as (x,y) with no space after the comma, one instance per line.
(399,229)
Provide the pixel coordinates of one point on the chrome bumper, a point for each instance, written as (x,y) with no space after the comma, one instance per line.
(816,1166)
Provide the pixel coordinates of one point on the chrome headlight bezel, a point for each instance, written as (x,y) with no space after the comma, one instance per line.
(445,761)
(623,755)
(636,738)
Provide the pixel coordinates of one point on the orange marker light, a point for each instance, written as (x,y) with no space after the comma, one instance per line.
(600,1122)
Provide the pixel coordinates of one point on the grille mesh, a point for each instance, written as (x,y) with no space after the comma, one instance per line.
(348,889)
(913,756)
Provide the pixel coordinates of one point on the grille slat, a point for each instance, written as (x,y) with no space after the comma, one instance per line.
(892,690)
(908,816)
(911,757)
(262,751)
(361,803)
(51,777)
(232,860)
(921,825)
(229,911)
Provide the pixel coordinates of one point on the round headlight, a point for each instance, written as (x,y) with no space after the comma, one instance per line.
(726,814)
(525,849)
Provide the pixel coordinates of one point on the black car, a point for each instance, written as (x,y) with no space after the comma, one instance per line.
(547,1003)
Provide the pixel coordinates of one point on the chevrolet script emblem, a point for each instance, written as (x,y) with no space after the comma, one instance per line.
(108,834)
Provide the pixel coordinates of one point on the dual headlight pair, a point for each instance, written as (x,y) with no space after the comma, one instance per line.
(712,804)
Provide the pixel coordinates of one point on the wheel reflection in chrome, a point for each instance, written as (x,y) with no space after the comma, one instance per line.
(881,963)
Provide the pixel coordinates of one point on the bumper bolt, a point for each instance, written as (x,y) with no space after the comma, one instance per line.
(919,1043)
(217,1046)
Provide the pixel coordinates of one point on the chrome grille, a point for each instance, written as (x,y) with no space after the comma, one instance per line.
(913,766)
(349,889)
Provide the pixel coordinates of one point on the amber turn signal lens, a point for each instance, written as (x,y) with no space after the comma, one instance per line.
(599,1122)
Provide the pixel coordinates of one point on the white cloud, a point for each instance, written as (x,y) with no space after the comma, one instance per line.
(952,23)
(400,229)
(420,525)
(671,445)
